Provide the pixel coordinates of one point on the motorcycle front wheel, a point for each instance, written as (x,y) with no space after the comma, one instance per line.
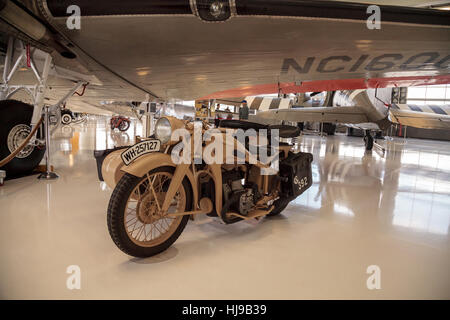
(134,222)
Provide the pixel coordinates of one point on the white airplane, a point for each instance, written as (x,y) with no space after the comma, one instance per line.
(369,110)
(142,50)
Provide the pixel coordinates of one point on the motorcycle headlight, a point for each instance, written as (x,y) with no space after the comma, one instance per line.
(163,130)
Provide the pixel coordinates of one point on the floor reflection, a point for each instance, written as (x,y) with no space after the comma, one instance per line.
(363,209)
(407,187)
(77,141)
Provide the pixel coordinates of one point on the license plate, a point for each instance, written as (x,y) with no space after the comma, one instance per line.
(139,149)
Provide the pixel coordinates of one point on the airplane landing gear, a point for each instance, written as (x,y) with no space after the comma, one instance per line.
(22,143)
(66,117)
(15,118)
(368,140)
(329,128)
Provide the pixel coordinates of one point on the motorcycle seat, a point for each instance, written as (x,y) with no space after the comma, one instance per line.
(241,124)
(285,131)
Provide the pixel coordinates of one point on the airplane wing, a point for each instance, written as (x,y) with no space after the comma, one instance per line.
(440,119)
(190,49)
(353,115)
(419,119)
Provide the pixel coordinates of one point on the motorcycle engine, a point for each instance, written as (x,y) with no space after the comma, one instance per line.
(238,197)
(246,201)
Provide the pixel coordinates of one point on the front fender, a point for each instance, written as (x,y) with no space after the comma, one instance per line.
(148,162)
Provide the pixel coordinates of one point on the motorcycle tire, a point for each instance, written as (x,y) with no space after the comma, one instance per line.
(279,207)
(116,215)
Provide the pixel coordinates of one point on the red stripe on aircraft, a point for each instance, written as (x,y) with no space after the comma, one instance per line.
(329,85)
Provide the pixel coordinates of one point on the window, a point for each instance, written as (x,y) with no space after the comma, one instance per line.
(225,107)
(190,103)
(434,95)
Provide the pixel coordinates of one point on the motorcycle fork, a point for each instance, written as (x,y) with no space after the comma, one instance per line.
(177,179)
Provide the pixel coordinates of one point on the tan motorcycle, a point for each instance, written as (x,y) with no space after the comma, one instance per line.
(155,194)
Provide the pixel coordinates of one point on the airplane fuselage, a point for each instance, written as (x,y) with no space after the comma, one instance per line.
(374,102)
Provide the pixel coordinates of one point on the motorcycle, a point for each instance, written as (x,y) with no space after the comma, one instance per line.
(163,180)
(120,122)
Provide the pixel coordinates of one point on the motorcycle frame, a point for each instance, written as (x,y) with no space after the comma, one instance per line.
(141,166)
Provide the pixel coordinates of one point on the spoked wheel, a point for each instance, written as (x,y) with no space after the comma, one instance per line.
(135,222)
(124,125)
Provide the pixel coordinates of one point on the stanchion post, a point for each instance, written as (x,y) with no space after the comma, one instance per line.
(48,174)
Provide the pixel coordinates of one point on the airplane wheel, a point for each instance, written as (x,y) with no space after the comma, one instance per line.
(329,128)
(66,118)
(15,118)
(368,141)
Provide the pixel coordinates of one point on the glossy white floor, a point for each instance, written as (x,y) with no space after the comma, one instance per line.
(363,209)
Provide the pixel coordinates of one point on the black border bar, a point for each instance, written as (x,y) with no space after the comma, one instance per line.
(340,10)
(58,8)
(276,8)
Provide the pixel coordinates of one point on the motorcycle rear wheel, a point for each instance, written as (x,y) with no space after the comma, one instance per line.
(279,206)
(133,221)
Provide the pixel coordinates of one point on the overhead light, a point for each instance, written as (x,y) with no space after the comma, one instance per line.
(445,6)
